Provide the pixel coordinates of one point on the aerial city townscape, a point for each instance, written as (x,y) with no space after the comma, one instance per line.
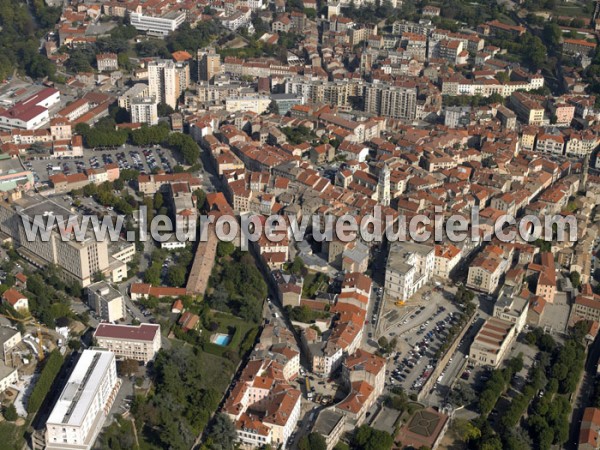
(233,119)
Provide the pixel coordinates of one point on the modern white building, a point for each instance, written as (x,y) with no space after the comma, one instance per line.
(31,113)
(409,267)
(84,403)
(157,26)
(139,342)
(144,110)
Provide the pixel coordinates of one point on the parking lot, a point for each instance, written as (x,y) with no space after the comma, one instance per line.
(413,366)
(128,157)
(419,329)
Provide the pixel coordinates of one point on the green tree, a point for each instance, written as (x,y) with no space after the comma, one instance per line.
(51,368)
(367,438)
(222,433)
(10,413)
(176,276)
(128,367)
(552,35)
(225,249)
(158,201)
(465,430)
(164,110)
(575,278)
(312,441)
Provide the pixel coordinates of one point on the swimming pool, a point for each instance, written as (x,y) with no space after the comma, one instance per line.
(222,339)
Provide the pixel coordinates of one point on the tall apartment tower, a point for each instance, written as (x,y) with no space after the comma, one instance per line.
(167,80)
(391,101)
(383,186)
(209,64)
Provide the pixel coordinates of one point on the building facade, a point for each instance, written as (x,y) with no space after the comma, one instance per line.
(139,342)
(83,405)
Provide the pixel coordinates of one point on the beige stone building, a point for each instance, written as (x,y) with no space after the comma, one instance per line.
(492,342)
(138,342)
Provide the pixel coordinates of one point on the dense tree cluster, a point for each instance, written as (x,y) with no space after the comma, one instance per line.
(238,287)
(150,135)
(497,384)
(221,434)
(176,274)
(312,441)
(304,314)
(299,134)
(48,296)
(186,146)
(472,100)
(191,39)
(23,23)
(42,386)
(184,397)
(367,438)
(103,134)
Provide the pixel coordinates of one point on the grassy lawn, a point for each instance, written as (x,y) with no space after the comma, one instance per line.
(216,371)
(242,340)
(505,19)
(12,436)
(313,282)
(570,10)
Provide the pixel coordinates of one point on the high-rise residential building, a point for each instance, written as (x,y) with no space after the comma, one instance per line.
(83,405)
(209,64)
(391,101)
(107,301)
(167,80)
(144,110)
(139,342)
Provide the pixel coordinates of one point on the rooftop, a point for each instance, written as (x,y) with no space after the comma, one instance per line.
(142,332)
(80,390)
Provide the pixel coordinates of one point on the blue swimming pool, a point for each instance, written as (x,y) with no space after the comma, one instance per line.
(222,339)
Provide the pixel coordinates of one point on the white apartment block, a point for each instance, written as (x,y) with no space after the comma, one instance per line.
(167,80)
(144,110)
(157,26)
(137,90)
(409,267)
(80,412)
(139,342)
(106,301)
